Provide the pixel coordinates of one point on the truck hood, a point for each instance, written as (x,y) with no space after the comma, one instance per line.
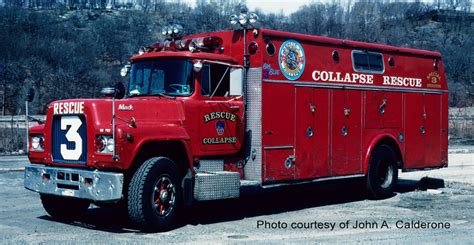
(144,110)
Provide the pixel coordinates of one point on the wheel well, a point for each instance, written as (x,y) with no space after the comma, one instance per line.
(174,150)
(393,144)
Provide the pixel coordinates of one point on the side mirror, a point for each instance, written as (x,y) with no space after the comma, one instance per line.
(197,66)
(236,81)
(30,95)
(118,91)
(125,70)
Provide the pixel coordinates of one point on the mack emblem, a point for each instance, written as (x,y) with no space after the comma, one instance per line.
(123,107)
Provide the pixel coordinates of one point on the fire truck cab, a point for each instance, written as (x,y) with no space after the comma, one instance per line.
(206,114)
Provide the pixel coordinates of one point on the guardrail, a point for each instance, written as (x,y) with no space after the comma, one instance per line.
(18,121)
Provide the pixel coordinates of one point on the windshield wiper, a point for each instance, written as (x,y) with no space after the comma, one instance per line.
(159,94)
(164,95)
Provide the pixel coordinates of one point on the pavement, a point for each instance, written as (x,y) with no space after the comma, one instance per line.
(13,163)
(314,213)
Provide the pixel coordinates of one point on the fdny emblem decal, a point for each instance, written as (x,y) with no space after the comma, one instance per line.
(291,59)
(220,118)
(220,126)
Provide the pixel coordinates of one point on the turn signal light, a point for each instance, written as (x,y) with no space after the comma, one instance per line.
(104,144)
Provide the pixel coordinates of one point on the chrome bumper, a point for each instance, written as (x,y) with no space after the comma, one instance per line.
(69,182)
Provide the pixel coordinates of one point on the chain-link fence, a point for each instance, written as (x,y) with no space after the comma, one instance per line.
(13,134)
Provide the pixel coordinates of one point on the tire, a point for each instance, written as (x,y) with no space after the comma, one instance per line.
(63,208)
(383,172)
(155,195)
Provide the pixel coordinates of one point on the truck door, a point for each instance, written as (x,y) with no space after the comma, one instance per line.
(346,132)
(311,132)
(221,123)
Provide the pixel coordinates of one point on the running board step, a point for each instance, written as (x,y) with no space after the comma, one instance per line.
(216,185)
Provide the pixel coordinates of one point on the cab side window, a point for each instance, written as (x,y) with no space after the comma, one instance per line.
(215,78)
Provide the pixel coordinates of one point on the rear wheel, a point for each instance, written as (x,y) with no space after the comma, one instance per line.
(155,195)
(63,208)
(383,172)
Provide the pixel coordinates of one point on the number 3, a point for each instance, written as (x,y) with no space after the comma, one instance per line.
(72,135)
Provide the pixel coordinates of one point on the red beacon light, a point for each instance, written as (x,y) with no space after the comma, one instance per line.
(193,45)
(205,43)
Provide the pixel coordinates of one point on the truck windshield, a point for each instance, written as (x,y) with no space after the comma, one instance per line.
(161,77)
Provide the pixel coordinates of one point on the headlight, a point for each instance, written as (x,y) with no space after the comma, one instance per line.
(37,142)
(100,143)
(104,144)
(110,145)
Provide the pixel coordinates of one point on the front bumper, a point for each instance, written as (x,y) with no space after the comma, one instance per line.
(78,183)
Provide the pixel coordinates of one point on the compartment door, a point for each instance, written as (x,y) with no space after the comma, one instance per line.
(346,132)
(414,126)
(432,124)
(311,132)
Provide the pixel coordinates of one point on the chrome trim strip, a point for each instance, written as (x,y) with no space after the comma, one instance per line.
(277,147)
(355,87)
(249,183)
(314,180)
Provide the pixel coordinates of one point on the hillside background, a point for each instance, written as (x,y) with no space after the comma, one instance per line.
(72,48)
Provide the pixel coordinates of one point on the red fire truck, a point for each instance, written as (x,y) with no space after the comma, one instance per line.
(206,114)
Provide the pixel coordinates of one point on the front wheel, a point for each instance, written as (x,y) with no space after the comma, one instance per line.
(383,172)
(64,208)
(155,195)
